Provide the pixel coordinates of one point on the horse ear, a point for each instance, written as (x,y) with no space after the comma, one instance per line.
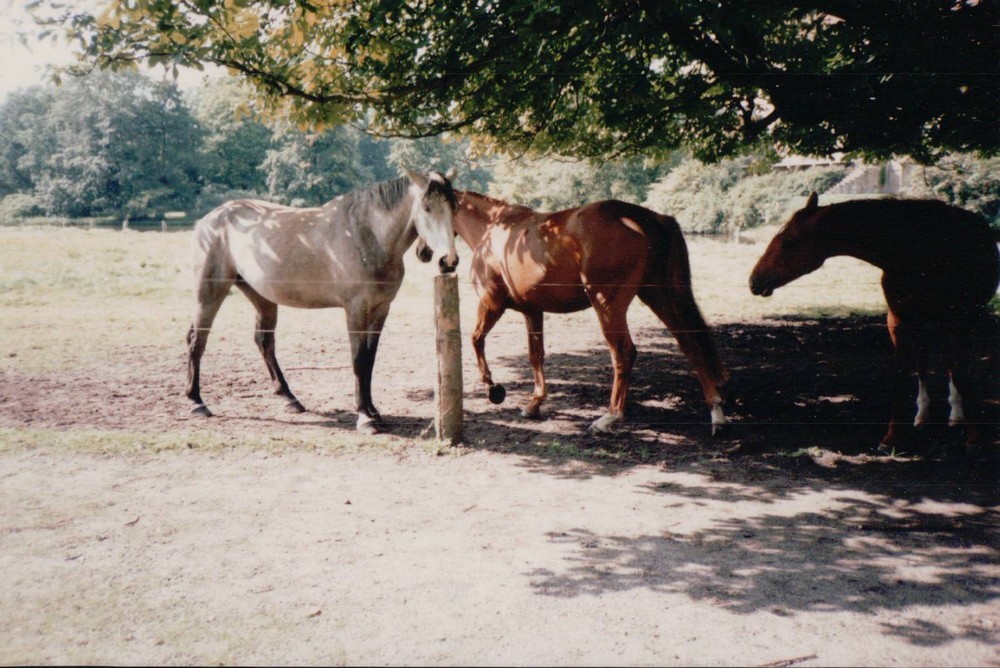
(417,178)
(813,201)
(451,174)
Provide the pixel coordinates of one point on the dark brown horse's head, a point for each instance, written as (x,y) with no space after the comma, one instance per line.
(795,251)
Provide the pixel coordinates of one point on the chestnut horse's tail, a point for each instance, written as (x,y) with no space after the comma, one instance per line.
(669,295)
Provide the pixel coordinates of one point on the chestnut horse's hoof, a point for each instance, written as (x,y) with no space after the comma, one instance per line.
(201,410)
(497,394)
(294,406)
(605,424)
(531,414)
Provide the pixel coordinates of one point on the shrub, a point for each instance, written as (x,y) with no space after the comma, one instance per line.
(17,206)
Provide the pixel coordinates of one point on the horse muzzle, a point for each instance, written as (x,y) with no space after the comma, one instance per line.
(424,252)
(758,288)
(446,266)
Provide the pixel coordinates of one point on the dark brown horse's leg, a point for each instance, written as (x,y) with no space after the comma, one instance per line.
(267,321)
(364,326)
(966,347)
(904,355)
(681,315)
(488,315)
(534,322)
(611,305)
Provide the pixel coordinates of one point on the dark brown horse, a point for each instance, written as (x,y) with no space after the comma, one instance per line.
(600,255)
(940,268)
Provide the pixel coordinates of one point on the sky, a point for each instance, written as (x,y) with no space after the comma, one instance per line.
(20,66)
(23,66)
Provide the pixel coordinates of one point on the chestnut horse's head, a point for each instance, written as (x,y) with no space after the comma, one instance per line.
(795,251)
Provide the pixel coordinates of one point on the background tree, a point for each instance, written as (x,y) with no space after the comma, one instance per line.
(598,78)
(235,141)
(105,144)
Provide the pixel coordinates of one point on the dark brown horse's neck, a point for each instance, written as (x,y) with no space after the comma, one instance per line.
(477,212)
(858,236)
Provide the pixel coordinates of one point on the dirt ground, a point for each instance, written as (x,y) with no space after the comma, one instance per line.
(261,538)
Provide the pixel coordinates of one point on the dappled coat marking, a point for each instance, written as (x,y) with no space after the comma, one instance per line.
(346,254)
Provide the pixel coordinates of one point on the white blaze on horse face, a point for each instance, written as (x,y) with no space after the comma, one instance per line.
(432,216)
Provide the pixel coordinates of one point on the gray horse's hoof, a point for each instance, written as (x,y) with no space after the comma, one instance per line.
(294,406)
(367,425)
(201,410)
(497,394)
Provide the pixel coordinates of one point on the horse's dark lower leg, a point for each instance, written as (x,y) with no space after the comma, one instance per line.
(364,330)
(264,337)
(901,393)
(488,315)
(197,339)
(683,318)
(534,323)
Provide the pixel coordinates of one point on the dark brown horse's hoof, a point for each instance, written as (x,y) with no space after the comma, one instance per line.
(201,410)
(497,394)
(294,406)
(722,429)
(531,415)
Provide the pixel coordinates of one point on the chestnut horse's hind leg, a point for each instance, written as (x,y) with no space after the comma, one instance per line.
(267,321)
(488,315)
(611,305)
(534,322)
(681,315)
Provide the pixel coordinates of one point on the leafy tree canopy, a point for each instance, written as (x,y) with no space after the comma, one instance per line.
(599,78)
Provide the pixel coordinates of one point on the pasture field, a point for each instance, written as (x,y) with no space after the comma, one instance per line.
(132,532)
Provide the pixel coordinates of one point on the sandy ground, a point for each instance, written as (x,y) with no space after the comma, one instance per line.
(260,537)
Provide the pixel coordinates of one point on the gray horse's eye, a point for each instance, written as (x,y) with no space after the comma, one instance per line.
(427,207)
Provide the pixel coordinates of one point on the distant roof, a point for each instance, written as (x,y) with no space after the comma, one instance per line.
(801,162)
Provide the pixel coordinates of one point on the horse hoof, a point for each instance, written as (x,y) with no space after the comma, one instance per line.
(295,407)
(367,425)
(201,410)
(497,394)
(721,429)
(604,424)
(531,414)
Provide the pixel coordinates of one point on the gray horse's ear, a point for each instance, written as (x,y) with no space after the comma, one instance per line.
(813,201)
(451,174)
(417,178)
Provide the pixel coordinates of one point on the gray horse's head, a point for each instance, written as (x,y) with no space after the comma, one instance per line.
(434,205)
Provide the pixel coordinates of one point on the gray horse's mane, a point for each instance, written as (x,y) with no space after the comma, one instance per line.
(385,195)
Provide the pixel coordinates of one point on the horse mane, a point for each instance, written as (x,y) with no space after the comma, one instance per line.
(385,195)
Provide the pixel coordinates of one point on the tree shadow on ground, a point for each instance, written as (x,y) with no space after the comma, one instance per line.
(808,401)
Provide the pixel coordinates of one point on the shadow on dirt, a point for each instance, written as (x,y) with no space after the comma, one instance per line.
(808,402)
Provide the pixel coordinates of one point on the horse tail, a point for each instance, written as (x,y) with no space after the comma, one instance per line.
(672,299)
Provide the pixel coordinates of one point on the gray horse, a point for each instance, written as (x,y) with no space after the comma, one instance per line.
(347,254)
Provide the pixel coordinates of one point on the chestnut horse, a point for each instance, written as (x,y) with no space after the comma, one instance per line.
(940,268)
(601,255)
(347,254)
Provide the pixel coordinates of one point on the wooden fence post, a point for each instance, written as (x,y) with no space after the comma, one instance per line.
(448,391)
